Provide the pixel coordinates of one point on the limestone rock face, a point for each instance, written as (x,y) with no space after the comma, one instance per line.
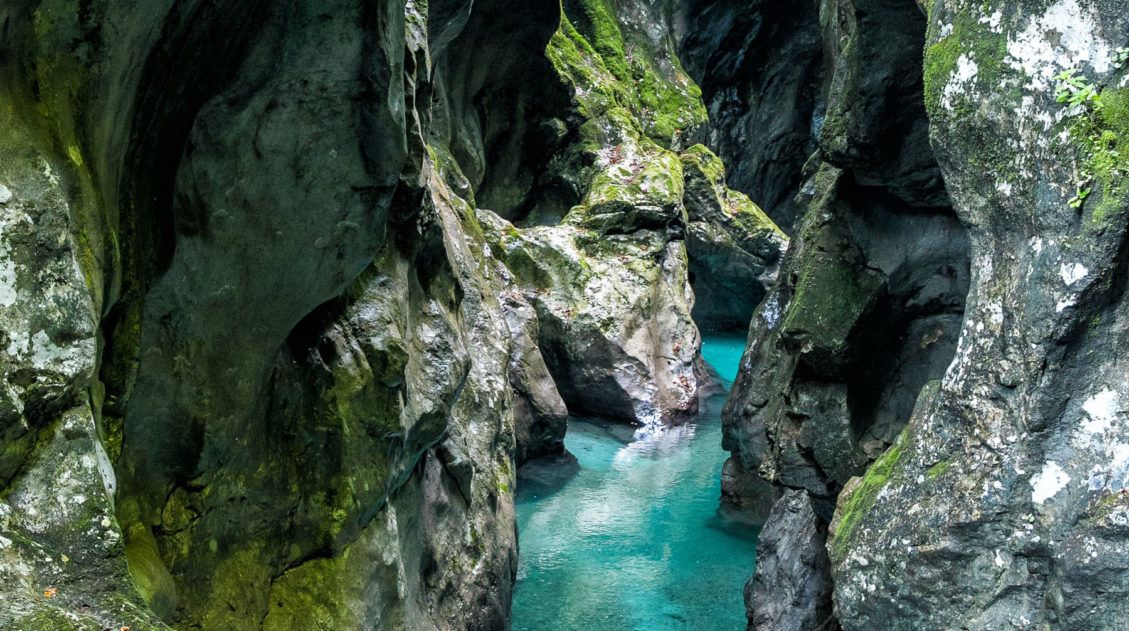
(734,249)
(253,350)
(615,330)
(870,296)
(1006,492)
(760,65)
(60,544)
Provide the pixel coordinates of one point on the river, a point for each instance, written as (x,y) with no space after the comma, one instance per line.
(634,540)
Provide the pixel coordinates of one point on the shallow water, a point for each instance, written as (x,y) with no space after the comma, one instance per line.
(634,540)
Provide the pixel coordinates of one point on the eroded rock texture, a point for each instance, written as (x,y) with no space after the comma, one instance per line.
(258,375)
(871,293)
(791,590)
(289,289)
(1008,485)
(996,499)
(761,67)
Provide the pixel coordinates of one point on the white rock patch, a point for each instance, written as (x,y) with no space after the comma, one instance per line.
(1063,37)
(8,271)
(1048,482)
(1102,409)
(1073,273)
(966,71)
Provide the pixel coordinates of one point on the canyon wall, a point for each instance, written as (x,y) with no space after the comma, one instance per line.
(964,456)
(289,290)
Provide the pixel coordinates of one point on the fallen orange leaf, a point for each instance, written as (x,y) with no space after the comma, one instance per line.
(50,592)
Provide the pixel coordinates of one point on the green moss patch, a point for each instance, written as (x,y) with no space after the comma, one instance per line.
(830,295)
(969,37)
(1104,139)
(938,469)
(862,499)
(609,70)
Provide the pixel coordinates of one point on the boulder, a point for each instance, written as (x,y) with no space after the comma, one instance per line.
(791,589)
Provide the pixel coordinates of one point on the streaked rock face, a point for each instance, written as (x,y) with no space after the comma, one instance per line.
(792,559)
(871,291)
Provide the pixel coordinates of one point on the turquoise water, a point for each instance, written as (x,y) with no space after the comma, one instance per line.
(634,540)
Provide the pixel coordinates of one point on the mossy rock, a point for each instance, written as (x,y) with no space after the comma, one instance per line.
(854,506)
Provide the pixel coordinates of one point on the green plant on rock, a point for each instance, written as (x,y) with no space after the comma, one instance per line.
(1082,190)
(1099,130)
(1075,90)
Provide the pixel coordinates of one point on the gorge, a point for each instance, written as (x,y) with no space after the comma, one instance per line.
(391,314)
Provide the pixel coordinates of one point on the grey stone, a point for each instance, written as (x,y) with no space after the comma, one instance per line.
(1005,496)
(791,589)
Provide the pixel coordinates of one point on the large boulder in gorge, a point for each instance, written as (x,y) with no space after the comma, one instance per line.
(610,281)
(613,316)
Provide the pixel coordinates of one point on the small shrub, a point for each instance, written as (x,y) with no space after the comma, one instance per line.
(1075,90)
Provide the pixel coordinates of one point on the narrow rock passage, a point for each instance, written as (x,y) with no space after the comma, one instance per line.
(634,540)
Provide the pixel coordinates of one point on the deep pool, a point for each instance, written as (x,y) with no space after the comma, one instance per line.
(634,540)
